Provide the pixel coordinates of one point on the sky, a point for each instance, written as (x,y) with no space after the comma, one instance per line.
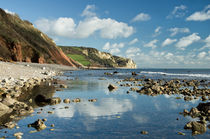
(155,34)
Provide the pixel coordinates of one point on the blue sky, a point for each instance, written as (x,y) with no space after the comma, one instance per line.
(167,34)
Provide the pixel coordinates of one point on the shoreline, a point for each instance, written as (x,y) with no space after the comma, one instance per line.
(20,77)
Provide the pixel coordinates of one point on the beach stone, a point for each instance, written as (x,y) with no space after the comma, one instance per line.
(144,132)
(18,134)
(76,100)
(196,127)
(38,125)
(55,100)
(204,107)
(112,87)
(63,86)
(4,109)
(67,100)
(10,125)
(92,100)
(181,133)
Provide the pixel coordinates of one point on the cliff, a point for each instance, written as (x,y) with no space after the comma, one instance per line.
(91,57)
(21,41)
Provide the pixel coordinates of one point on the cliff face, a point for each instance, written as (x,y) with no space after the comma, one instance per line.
(20,41)
(91,57)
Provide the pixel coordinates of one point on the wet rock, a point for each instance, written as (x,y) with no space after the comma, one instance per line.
(18,135)
(196,127)
(52,125)
(134,74)
(10,125)
(63,86)
(38,125)
(181,133)
(76,100)
(112,87)
(67,100)
(144,132)
(92,100)
(194,112)
(134,89)
(4,109)
(50,112)
(204,107)
(188,98)
(55,101)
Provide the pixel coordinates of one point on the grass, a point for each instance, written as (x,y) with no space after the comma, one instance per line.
(79,58)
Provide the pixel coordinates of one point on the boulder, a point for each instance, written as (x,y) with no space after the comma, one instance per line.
(112,87)
(4,109)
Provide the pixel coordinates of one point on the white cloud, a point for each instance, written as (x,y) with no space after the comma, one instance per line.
(201,55)
(151,44)
(168,41)
(186,41)
(175,31)
(157,31)
(89,11)
(133,41)
(132,51)
(207,45)
(178,12)
(66,27)
(9,12)
(188,59)
(113,48)
(141,17)
(201,15)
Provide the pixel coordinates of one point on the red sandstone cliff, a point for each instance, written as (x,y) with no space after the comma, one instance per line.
(21,41)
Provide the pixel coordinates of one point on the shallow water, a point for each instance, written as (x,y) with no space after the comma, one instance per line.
(115,114)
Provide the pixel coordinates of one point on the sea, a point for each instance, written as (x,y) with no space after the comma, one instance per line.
(115,114)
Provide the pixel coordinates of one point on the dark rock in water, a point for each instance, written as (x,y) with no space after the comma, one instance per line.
(63,86)
(55,101)
(196,127)
(115,72)
(181,133)
(204,107)
(144,132)
(67,100)
(76,100)
(43,101)
(112,87)
(38,125)
(10,125)
(134,73)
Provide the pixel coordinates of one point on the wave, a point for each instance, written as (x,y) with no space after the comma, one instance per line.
(177,74)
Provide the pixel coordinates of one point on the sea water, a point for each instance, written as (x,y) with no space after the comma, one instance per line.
(115,114)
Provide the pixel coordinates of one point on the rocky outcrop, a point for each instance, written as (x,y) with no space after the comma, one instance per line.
(21,41)
(91,57)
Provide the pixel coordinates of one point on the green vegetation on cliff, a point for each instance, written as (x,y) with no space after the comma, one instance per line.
(91,57)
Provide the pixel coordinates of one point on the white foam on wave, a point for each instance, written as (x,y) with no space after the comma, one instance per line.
(177,74)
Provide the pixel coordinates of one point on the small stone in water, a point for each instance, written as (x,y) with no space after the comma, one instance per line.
(180,133)
(144,132)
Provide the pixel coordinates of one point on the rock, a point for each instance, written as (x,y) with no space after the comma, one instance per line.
(63,86)
(18,134)
(144,132)
(4,109)
(38,125)
(112,87)
(67,100)
(204,107)
(50,112)
(196,127)
(180,133)
(52,125)
(92,100)
(76,100)
(134,74)
(194,112)
(55,100)
(10,125)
